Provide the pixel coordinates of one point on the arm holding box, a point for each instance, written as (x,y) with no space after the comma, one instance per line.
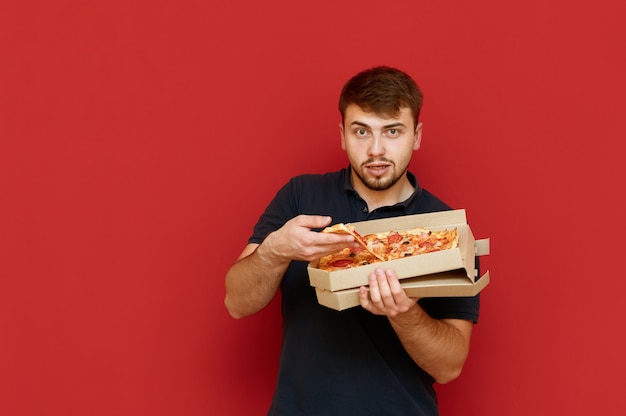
(439,347)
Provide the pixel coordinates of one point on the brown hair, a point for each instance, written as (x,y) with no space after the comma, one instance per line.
(382,90)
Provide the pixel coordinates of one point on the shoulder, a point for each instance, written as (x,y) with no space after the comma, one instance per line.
(316,184)
(424,202)
(432,200)
(315,179)
(303,194)
(306,183)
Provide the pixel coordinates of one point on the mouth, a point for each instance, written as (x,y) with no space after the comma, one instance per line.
(377,168)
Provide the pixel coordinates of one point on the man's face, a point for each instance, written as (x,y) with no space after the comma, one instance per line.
(379,148)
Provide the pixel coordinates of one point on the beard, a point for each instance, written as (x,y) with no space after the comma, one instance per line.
(376,183)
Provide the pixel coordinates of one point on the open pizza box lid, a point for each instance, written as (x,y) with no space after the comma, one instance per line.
(461,257)
(445,284)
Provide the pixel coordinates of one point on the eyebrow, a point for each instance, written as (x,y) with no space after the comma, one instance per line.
(386,126)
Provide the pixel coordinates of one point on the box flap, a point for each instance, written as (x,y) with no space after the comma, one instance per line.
(446,284)
(482,247)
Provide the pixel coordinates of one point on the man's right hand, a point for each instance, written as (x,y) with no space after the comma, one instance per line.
(296,241)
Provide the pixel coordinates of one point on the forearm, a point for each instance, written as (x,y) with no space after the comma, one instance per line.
(439,347)
(252,282)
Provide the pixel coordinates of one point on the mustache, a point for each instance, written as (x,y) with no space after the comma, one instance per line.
(378,159)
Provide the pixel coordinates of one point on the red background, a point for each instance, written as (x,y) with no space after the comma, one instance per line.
(140,140)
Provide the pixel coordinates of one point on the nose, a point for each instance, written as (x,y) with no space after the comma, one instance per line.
(377,146)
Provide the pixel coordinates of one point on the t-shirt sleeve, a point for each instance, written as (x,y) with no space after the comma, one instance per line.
(452,308)
(280,210)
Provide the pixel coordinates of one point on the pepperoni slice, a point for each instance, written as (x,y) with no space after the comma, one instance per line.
(394,237)
(341,263)
(356,249)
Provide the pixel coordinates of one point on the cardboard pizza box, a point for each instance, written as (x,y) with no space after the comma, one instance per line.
(461,257)
(446,284)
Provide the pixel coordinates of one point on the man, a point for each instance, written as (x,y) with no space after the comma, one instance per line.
(381,358)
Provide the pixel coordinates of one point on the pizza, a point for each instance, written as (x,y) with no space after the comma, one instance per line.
(386,246)
(342,228)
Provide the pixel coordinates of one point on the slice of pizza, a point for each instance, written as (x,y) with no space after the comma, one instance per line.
(342,228)
(346,259)
(434,241)
(377,244)
(401,244)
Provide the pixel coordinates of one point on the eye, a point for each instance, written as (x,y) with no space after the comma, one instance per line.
(393,132)
(361,132)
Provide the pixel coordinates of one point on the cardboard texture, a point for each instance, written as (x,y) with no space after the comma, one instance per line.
(461,257)
(442,273)
(446,284)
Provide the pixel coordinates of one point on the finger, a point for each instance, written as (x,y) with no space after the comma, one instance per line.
(394,283)
(383,286)
(313,221)
(364,297)
(334,237)
(375,278)
(400,297)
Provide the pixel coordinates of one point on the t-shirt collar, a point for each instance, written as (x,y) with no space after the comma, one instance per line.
(411,177)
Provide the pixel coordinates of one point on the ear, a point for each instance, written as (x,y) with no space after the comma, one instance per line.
(418,136)
(343,136)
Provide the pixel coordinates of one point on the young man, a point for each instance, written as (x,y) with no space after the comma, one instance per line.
(381,358)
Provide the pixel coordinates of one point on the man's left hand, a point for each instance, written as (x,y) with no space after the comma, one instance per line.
(385,296)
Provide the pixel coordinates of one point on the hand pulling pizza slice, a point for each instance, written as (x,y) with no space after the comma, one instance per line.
(342,228)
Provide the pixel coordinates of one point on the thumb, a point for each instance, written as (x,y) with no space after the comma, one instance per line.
(314,221)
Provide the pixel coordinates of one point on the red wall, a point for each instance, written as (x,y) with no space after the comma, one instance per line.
(140,140)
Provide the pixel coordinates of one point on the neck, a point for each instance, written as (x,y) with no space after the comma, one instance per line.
(400,191)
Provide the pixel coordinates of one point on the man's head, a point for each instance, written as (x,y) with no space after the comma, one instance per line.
(380,131)
(382,90)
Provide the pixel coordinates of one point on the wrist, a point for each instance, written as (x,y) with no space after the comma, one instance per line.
(412,317)
(267,253)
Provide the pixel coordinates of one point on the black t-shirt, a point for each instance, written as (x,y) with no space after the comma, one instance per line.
(348,362)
